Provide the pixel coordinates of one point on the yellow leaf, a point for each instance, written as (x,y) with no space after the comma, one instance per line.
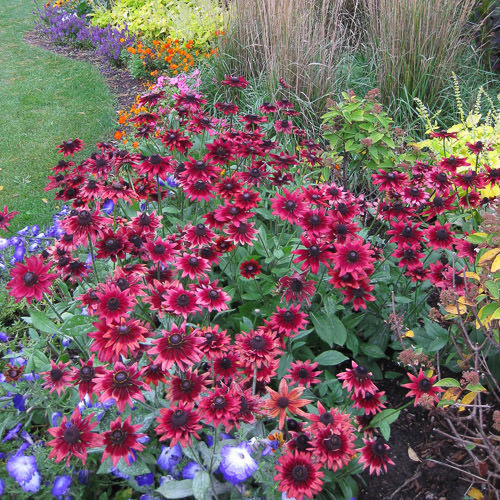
(475,494)
(1,188)
(496,264)
(45,200)
(467,400)
(451,394)
(409,334)
(472,275)
(452,308)
(490,254)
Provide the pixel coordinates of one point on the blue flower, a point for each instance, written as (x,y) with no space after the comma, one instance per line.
(2,487)
(3,337)
(19,253)
(145,479)
(61,485)
(18,402)
(237,464)
(190,470)
(12,434)
(116,472)
(33,485)
(24,470)
(83,476)
(4,243)
(55,418)
(108,207)
(169,457)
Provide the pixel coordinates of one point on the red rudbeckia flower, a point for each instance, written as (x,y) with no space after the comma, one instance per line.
(353,257)
(304,373)
(374,455)
(121,441)
(314,253)
(334,447)
(30,280)
(440,236)
(235,81)
(58,378)
(296,288)
(298,475)
(220,406)
(357,379)
(186,387)
(84,377)
(422,385)
(288,321)
(113,304)
(5,217)
(250,268)
(73,438)
(179,423)
(70,147)
(257,347)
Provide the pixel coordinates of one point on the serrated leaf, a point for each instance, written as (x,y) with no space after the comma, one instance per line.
(330,358)
(201,483)
(176,489)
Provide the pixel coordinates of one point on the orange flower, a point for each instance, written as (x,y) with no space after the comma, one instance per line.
(118,135)
(280,401)
(135,144)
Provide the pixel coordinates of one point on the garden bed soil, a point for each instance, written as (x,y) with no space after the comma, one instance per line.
(412,440)
(121,83)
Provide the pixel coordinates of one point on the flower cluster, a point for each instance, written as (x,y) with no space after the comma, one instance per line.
(166,242)
(67,27)
(170,56)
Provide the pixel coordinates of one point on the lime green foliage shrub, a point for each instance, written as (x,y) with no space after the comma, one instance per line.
(481,123)
(196,20)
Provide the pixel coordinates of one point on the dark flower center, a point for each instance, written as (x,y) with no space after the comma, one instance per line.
(290,205)
(112,244)
(332,443)
(255,173)
(314,251)
(186,385)
(63,261)
(341,229)
(303,373)
(219,402)
(378,448)
(113,304)
(250,268)
(193,261)
(296,285)
(288,316)
(123,329)
(414,192)
(283,402)
(68,238)
(56,374)
(352,256)
(284,123)
(409,254)
(300,473)
(407,232)
(72,434)
(199,185)
(228,186)
(226,363)
(159,249)
(302,442)
(242,228)
(122,284)
(438,201)
(84,218)
(424,385)
(121,378)
(118,436)
(233,210)
(292,424)
(200,230)
(213,294)
(144,220)
(179,418)
(391,176)
(358,293)
(257,343)
(30,279)
(326,418)
(87,373)
(361,372)
(441,234)
(183,300)
(200,165)
(175,339)
(441,177)
(343,208)
(155,160)
(315,220)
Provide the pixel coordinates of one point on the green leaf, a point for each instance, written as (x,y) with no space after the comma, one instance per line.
(41,322)
(201,483)
(386,417)
(329,329)
(176,489)
(447,382)
(330,358)
(372,350)
(385,430)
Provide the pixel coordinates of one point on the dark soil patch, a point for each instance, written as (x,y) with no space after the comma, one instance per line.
(412,439)
(122,84)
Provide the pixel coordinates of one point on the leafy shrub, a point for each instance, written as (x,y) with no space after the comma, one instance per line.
(162,19)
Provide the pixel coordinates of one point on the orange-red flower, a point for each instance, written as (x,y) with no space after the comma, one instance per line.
(284,400)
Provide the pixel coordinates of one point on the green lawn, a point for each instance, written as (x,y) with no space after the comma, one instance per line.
(45,99)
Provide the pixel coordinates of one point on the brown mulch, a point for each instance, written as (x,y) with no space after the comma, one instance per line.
(121,83)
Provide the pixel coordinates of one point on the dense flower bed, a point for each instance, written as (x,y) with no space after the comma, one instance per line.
(203,289)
